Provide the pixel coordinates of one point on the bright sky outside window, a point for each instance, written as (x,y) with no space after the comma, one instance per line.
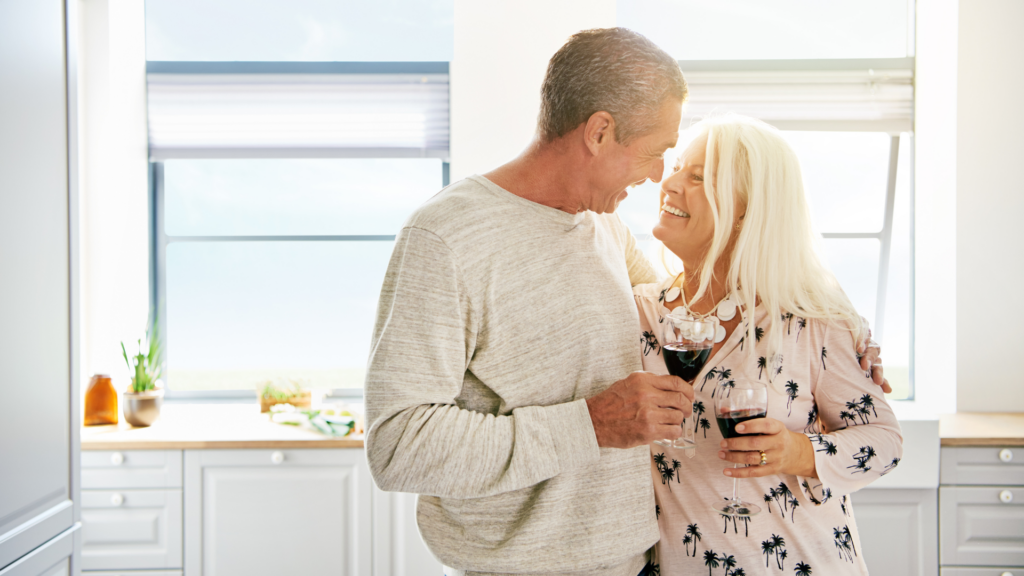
(299,302)
(773,29)
(300,30)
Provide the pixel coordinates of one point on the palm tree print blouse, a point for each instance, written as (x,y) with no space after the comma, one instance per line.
(806,525)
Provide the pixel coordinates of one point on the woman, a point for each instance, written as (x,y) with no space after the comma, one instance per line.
(749,256)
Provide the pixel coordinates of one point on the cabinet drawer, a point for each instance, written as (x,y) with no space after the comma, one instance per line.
(131,529)
(985,466)
(956,571)
(979,528)
(131,469)
(135,573)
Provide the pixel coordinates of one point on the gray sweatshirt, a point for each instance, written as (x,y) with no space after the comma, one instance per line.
(498,317)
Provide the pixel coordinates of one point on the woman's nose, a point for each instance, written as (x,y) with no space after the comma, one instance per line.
(672,184)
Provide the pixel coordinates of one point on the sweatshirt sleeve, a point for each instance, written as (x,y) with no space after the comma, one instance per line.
(418,439)
(858,439)
(639,266)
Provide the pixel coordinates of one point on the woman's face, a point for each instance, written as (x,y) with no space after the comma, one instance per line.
(687,224)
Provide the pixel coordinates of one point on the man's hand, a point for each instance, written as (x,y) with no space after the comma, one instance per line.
(871,362)
(640,409)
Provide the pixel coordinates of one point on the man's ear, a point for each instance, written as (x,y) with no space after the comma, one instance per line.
(599,131)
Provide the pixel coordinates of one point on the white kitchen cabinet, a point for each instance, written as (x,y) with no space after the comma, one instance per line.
(268,512)
(981,508)
(131,529)
(897,529)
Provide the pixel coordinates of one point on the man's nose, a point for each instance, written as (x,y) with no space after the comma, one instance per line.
(657,171)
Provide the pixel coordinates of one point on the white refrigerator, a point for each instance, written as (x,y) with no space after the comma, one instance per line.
(39,416)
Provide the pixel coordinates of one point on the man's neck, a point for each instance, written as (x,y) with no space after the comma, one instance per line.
(547,173)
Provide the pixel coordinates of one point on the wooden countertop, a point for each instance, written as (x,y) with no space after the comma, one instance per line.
(981,429)
(211,426)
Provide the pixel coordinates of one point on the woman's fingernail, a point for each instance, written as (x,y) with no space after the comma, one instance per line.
(723,444)
(721,455)
(728,472)
(741,428)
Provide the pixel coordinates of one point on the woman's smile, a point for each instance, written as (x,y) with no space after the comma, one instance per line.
(674,211)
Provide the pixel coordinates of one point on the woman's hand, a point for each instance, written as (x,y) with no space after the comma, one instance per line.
(786,452)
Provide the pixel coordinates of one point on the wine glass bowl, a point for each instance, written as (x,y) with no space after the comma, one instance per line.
(686,348)
(737,402)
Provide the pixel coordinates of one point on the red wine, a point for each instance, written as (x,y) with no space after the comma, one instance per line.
(727,422)
(686,360)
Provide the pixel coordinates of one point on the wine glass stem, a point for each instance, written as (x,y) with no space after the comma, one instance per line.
(735,485)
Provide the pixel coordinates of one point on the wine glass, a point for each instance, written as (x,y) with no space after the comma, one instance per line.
(686,347)
(735,402)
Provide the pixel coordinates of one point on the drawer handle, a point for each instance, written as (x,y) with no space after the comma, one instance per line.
(277,457)
(1006,496)
(117,499)
(117,458)
(1006,455)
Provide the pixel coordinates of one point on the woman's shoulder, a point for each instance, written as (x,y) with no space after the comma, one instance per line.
(653,291)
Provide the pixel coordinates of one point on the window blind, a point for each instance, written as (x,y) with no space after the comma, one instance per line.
(287,110)
(872,95)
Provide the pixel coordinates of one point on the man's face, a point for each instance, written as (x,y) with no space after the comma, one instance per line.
(643,159)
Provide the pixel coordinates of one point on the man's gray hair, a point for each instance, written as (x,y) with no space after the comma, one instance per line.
(614,70)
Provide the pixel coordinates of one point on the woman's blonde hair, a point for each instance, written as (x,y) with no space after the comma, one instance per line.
(777,254)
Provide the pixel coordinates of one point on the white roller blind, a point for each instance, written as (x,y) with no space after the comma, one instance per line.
(856,98)
(293,115)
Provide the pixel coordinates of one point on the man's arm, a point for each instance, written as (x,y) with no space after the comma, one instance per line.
(419,441)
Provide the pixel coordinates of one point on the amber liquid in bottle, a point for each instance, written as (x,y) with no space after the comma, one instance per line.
(100,401)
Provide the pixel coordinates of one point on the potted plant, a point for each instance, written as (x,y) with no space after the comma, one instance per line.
(145,396)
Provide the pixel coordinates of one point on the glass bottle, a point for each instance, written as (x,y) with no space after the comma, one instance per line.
(100,401)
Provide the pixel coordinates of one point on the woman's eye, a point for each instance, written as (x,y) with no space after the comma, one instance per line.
(698,177)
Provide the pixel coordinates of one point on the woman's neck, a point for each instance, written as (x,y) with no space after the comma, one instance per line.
(690,284)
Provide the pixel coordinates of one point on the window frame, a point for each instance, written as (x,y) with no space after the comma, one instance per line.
(159,240)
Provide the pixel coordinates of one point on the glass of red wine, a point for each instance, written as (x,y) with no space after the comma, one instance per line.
(686,347)
(737,401)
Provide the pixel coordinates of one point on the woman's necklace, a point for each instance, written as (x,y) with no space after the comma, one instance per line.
(724,309)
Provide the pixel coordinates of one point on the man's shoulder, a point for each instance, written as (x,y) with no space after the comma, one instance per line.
(449,211)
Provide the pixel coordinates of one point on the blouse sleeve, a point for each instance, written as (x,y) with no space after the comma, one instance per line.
(858,438)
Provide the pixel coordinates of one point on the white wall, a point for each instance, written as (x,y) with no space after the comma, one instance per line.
(502,50)
(114,183)
(989,203)
(935,170)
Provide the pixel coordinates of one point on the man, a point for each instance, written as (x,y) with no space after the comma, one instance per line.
(504,382)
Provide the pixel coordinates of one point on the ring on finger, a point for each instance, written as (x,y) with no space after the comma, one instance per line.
(764,458)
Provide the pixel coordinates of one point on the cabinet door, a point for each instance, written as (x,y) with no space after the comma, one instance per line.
(982,526)
(898,530)
(131,529)
(273,512)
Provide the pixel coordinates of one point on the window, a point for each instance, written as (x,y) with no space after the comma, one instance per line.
(288,145)
(773,29)
(850,123)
